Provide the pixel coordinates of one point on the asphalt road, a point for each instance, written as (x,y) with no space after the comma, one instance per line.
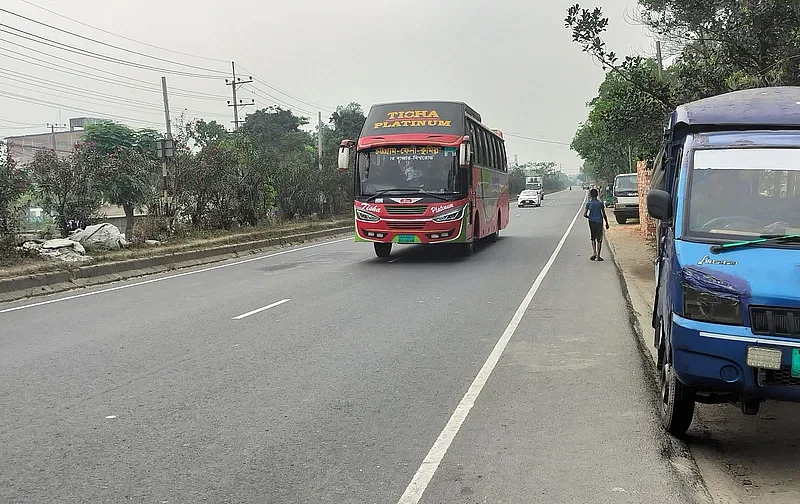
(509,376)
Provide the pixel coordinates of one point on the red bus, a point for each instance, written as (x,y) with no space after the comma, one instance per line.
(427,172)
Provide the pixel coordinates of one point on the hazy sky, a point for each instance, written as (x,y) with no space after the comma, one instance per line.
(513,61)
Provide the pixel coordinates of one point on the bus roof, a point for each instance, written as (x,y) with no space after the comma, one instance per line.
(469,110)
(760,108)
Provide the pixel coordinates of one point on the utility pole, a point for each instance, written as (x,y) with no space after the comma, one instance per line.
(53,134)
(236,103)
(659,60)
(167,144)
(319,139)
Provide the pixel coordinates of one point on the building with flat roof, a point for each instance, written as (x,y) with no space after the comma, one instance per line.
(22,148)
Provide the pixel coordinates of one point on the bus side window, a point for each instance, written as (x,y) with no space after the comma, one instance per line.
(481,146)
(473,135)
(492,152)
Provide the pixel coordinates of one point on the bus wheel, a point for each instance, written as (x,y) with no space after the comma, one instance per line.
(467,248)
(383,249)
(677,402)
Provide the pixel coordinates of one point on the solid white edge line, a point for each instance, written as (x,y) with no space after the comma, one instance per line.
(259,310)
(430,464)
(170,277)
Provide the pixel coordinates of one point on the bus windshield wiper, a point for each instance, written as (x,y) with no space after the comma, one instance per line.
(410,190)
(788,238)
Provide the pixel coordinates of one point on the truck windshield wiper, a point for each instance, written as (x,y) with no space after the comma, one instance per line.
(789,238)
(406,191)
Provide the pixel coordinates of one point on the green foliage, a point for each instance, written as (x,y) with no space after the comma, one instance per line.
(126,164)
(69,188)
(721,46)
(13,184)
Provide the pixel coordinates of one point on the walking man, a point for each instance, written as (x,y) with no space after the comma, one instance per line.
(596,213)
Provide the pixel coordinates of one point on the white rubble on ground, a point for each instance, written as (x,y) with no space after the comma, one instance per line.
(59,249)
(100,237)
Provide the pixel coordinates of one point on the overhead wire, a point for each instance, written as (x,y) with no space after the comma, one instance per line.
(152,87)
(85,52)
(534,139)
(80,110)
(122,36)
(111,45)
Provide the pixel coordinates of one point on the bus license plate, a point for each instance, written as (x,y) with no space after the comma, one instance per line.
(406,239)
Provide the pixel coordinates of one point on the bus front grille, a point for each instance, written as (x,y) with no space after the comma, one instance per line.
(406,209)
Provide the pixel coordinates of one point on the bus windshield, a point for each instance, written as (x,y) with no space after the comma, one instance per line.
(430,168)
(744,192)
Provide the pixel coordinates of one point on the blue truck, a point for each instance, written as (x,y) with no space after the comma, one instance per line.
(726,190)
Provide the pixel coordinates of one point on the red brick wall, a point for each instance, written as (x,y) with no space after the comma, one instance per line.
(647,225)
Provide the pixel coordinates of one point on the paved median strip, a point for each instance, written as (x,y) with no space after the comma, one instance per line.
(263,308)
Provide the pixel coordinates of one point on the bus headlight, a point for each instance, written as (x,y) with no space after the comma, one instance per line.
(707,307)
(363,215)
(451,215)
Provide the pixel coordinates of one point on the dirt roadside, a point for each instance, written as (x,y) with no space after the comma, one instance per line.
(742,459)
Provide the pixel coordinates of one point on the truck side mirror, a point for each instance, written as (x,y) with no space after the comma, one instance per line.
(464,152)
(659,204)
(344,155)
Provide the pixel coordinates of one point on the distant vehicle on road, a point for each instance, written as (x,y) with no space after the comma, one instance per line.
(535,183)
(529,197)
(427,172)
(727,306)
(626,197)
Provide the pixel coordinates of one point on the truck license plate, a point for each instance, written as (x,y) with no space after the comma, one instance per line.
(765,358)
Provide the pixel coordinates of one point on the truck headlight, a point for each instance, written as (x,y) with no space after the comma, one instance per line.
(451,215)
(708,307)
(363,215)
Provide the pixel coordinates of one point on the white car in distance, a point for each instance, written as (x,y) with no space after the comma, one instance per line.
(531,197)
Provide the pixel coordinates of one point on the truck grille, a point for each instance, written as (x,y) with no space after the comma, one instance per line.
(775,321)
(406,209)
(406,225)
(781,377)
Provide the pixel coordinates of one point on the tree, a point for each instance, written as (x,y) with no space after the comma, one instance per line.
(69,188)
(129,165)
(13,184)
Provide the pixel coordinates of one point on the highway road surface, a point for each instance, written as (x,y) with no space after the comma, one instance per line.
(321,374)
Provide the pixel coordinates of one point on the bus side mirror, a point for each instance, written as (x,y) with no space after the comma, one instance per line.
(464,152)
(344,155)
(659,204)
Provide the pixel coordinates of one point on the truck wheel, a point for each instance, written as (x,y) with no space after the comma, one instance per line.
(621,220)
(677,403)
(383,250)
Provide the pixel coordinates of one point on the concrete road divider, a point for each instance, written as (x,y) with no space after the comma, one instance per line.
(58,281)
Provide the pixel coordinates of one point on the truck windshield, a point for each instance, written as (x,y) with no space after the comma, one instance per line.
(746,192)
(626,186)
(430,168)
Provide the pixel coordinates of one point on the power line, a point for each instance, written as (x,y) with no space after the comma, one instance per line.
(115,100)
(109,45)
(79,110)
(122,36)
(533,139)
(266,96)
(85,52)
(270,86)
(126,83)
